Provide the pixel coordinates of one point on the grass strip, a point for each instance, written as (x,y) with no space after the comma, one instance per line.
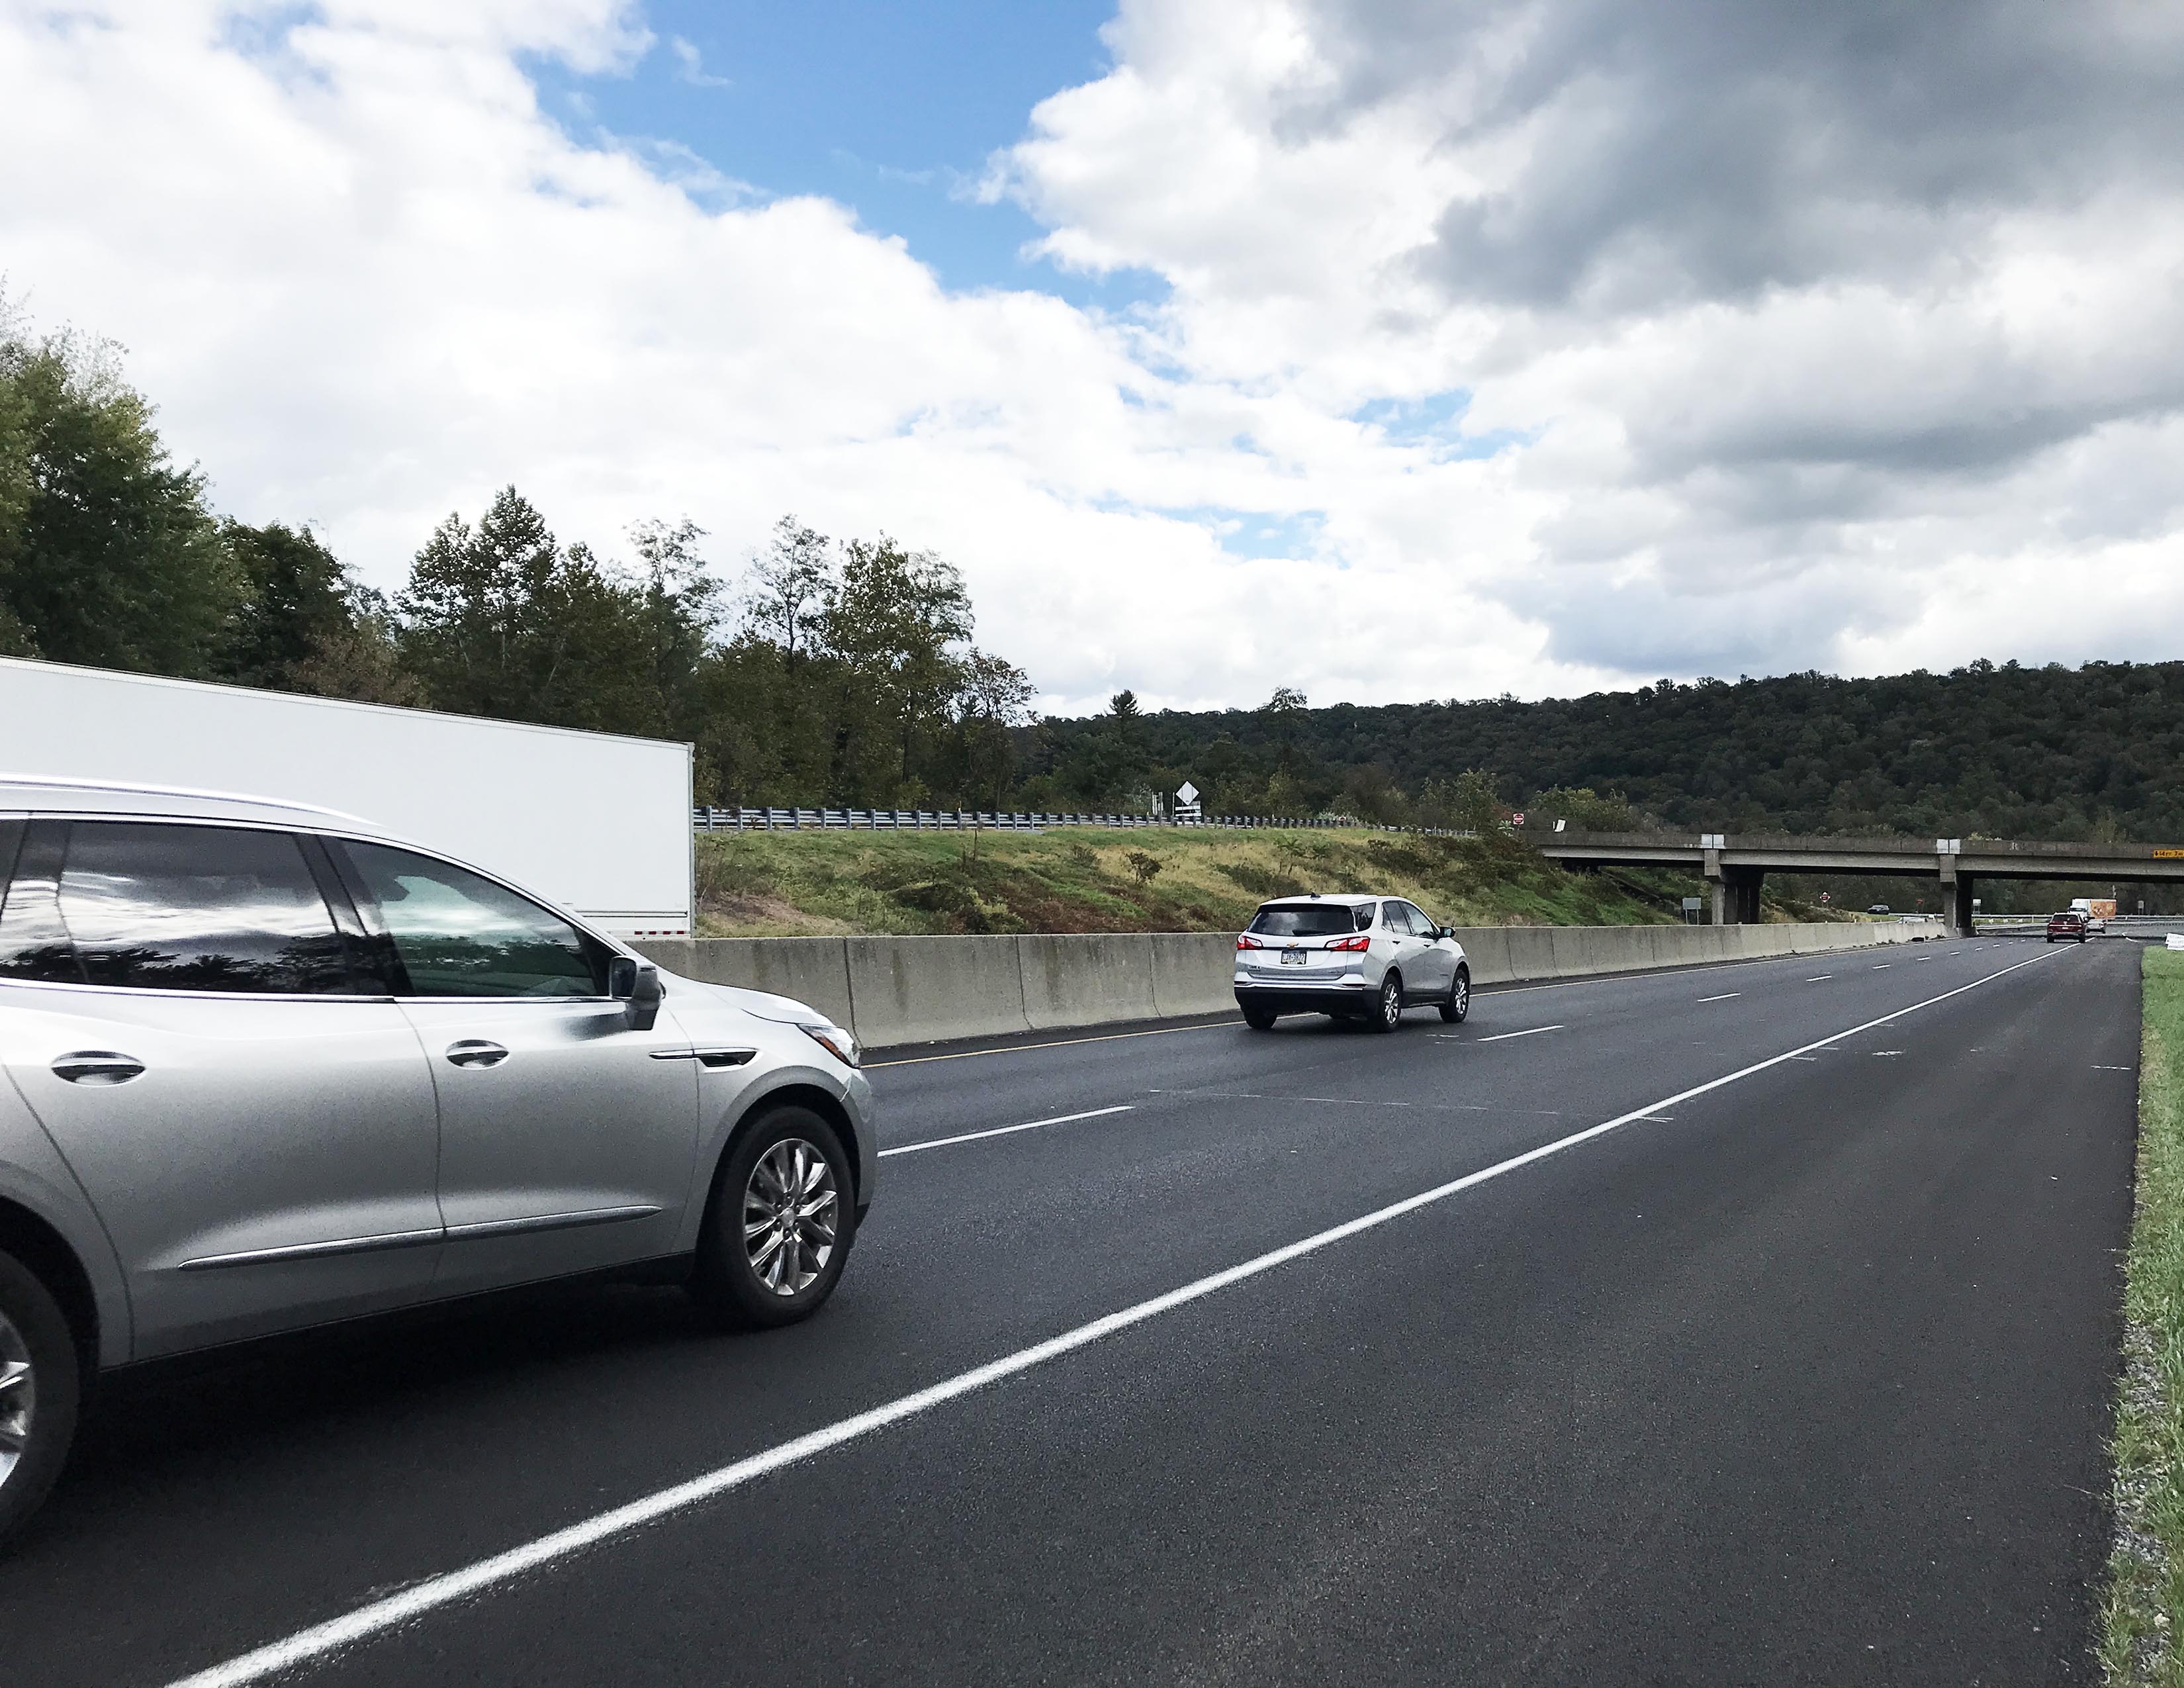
(2143,1609)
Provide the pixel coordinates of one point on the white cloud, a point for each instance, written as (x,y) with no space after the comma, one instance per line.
(694,66)
(1513,435)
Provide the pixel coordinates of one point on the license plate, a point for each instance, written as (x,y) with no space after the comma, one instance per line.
(1292,958)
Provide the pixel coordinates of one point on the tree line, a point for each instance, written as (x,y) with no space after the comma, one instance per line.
(848,673)
(1998,750)
(843,673)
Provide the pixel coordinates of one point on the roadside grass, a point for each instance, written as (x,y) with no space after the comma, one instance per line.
(2144,1608)
(1093,879)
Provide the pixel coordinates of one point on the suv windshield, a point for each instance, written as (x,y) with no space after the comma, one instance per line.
(1312,920)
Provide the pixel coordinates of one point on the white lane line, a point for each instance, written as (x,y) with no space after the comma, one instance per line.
(1502,1037)
(1723,997)
(430,1594)
(1817,978)
(2112,1069)
(1878,965)
(1005,1130)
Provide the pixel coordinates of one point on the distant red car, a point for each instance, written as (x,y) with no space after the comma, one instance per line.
(2070,923)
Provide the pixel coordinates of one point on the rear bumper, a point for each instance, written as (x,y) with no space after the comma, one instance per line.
(1318,999)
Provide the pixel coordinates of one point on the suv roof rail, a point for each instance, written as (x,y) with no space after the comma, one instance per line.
(131,787)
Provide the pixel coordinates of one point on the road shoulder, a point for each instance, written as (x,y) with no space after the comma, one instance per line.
(2144,1604)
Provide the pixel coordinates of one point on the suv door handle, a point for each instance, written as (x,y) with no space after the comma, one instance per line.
(476,1052)
(97,1066)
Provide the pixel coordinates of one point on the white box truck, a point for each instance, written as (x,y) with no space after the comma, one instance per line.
(598,823)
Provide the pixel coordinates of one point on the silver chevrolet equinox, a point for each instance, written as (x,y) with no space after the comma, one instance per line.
(1362,958)
(265,1068)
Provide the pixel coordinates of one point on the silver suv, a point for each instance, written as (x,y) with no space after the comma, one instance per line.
(1353,957)
(264,1066)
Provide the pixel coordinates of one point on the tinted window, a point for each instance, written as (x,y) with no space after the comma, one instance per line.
(459,934)
(1394,916)
(135,905)
(1422,923)
(1311,920)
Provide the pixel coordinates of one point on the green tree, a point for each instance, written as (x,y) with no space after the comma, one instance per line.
(1284,713)
(893,627)
(680,600)
(789,592)
(298,599)
(994,700)
(107,555)
(500,621)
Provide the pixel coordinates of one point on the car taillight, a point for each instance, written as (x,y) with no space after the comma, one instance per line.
(1248,942)
(1360,942)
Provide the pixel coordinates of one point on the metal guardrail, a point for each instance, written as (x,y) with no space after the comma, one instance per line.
(740,820)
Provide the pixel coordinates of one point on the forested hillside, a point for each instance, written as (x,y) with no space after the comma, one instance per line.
(1999,750)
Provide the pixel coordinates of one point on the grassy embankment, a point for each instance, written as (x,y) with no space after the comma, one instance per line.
(2144,1607)
(1087,879)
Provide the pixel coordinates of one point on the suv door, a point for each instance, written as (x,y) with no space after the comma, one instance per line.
(255,1128)
(568,1139)
(1395,921)
(1436,954)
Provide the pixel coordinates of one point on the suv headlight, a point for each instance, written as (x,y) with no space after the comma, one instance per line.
(838,1042)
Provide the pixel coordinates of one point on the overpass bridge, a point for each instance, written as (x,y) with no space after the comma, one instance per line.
(1735,865)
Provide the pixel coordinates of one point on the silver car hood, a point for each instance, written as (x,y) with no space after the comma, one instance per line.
(758,1004)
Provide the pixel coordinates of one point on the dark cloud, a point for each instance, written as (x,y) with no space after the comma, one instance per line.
(1677,150)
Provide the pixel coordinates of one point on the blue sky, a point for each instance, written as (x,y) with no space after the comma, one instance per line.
(890,109)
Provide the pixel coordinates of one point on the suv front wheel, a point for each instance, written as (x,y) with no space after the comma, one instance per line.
(780,1224)
(40,1387)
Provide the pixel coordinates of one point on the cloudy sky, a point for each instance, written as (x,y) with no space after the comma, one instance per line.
(1386,348)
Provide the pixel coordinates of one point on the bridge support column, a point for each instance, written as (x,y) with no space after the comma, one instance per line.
(1961,924)
(1735,895)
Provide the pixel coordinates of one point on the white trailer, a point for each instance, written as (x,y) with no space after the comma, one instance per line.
(597,822)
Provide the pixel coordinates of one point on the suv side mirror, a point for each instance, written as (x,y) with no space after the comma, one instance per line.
(636,985)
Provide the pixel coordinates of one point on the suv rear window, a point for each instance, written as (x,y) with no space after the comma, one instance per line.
(1311,920)
(143,905)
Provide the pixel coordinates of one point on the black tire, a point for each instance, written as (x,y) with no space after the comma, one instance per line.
(40,1337)
(1387,1012)
(1260,1019)
(726,1281)
(1459,997)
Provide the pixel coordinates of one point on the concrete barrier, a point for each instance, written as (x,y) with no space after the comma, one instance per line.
(1531,953)
(917,990)
(907,990)
(1087,979)
(1486,948)
(1194,972)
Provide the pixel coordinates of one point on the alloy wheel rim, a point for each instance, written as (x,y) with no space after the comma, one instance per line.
(1391,1002)
(1463,994)
(789,1210)
(19,1398)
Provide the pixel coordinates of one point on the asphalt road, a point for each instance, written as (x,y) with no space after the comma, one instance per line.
(1801,1378)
